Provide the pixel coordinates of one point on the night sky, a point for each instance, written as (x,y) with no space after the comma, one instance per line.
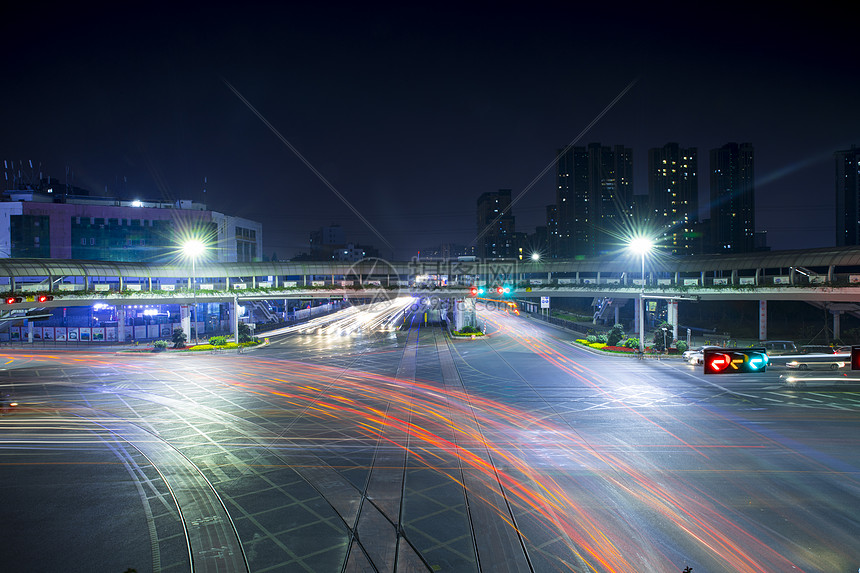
(411,112)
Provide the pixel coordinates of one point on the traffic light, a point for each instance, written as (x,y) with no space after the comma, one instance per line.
(44,298)
(735,360)
(855,358)
(14,299)
(473,291)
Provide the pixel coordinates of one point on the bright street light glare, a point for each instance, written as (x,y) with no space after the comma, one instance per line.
(535,256)
(641,245)
(193,248)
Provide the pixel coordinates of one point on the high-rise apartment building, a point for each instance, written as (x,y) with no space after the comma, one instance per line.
(594,197)
(551,231)
(733,198)
(847,197)
(673,190)
(496,226)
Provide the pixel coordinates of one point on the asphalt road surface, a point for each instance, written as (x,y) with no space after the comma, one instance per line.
(407,451)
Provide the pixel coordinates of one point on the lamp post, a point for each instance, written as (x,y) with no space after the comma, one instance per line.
(192,249)
(641,246)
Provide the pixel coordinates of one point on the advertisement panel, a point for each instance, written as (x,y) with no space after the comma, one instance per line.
(153,331)
(110,333)
(47,333)
(60,333)
(140,332)
(85,334)
(71,334)
(98,334)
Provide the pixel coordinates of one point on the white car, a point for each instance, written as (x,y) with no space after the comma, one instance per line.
(818,362)
(696,355)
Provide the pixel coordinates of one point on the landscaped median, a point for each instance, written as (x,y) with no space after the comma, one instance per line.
(629,346)
(467,332)
(164,346)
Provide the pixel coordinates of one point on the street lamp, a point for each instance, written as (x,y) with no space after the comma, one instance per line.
(535,257)
(192,249)
(641,246)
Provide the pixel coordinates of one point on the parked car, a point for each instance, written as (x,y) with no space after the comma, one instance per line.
(819,349)
(697,355)
(777,347)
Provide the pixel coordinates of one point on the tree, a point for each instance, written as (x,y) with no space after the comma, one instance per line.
(179,338)
(663,336)
(244,332)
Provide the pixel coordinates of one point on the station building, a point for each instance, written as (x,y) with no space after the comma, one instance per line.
(38,224)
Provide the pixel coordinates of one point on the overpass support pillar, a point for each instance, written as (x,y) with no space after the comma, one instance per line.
(120,323)
(734,276)
(673,317)
(185,320)
(762,319)
(465,313)
(837,318)
(617,309)
(637,317)
(234,319)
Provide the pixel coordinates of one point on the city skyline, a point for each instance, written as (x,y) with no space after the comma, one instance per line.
(411,114)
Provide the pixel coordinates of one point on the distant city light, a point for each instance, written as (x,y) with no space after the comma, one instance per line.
(137,203)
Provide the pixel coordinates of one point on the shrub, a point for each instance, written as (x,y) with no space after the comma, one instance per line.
(616,333)
(218,340)
(602,338)
(632,342)
(159,345)
(681,346)
(591,338)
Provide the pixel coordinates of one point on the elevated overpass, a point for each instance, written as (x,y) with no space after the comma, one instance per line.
(827,276)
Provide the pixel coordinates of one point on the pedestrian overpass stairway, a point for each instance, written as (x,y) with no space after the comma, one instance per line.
(605,308)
